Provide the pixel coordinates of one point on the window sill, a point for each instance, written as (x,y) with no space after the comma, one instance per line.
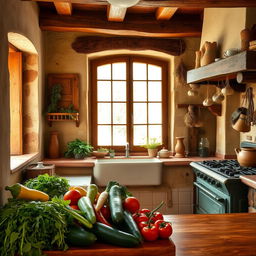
(17,162)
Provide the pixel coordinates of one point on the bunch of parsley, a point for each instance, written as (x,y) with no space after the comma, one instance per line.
(51,185)
(27,228)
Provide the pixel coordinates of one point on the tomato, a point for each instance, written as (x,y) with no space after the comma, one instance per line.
(72,195)
(74,206)
(131,204)
(150,233)
(105,212)
(142,217)
(157,216)
(142,224)
(164,229)
(145,211)
(136,216)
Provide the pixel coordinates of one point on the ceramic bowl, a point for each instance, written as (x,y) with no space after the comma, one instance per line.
(99,154)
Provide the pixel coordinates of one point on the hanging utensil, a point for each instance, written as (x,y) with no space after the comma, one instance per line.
(227,90)
(218,97)
(208,101)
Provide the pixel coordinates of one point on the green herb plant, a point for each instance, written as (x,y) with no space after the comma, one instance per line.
(152,143)
(28,228)
(51,185)
(102,150)
(55,97)
(78,149)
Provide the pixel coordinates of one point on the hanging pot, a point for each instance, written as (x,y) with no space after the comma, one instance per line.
(241,124)
(246,156)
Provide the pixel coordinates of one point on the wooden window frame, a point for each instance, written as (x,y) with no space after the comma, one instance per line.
(129,59)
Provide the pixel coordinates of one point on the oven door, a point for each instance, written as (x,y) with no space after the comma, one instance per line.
(207,201)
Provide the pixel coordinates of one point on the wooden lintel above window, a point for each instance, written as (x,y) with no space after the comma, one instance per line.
(171,3)
(133,25)
(63,8)
(116,13)
(90,44)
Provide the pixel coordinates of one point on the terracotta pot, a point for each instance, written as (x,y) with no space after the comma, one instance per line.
(54,151)
(246,156)
(179,147)
(152,152)
(245,39)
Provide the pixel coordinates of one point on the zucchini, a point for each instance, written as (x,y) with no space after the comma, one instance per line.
(85,205)
(92,191)
(114,236)
(77,236)
(115,204)
(132,226)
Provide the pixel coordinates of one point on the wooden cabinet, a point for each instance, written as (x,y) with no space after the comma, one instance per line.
(69,96)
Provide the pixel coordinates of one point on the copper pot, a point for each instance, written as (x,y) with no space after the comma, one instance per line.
(246,156)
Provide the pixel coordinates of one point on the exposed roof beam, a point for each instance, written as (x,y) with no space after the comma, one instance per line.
(90,44)
(63,8)
(116,13)
(165,13)
(133,25)
(171,3)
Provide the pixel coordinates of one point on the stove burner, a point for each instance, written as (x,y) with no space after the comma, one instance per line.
(228,168)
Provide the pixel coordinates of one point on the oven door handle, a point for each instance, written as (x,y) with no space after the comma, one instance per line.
(209,193)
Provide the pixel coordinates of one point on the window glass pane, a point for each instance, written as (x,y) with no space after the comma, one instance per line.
(104,113)
(139,113)
(104,91)
(154,72)
(139,134)
(104,72)
(139,91)
(139,71)
(104,135)
(119,71)
(155,113)
(119,135)
(119,91)
(119,113)
(155,131)
(154,91)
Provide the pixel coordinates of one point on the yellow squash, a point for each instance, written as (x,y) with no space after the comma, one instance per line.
(82,191)
(21,192)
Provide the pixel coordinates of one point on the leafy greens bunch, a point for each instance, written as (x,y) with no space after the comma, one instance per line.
(51,185)
(27,228)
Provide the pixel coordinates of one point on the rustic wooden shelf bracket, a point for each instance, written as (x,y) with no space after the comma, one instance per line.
(60,117)
(215,109)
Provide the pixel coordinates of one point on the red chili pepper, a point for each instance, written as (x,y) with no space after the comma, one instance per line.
(100,218)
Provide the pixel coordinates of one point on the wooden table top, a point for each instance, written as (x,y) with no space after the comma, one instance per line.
(214,234)
(249,180)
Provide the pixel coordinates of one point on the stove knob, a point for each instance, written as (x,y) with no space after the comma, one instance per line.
(201,175)
(197,174)
(218,184)
(205,177)
(213,182)
(209,179)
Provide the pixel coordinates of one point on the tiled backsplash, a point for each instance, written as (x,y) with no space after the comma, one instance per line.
(177,200)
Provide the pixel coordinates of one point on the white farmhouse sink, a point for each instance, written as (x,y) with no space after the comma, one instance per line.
(128,171)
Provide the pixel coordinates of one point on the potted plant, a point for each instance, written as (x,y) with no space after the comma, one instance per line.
(78,149)
(152,147)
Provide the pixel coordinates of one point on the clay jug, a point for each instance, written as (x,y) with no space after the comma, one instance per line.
(246,156)
(245,39)
(208,53)
(241,124)
(180,147)
(53,150)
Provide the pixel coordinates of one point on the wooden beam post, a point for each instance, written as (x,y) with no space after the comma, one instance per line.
(63,8)
(165,13)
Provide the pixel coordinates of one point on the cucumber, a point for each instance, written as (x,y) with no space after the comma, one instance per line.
(114,236)
(132,226)
(115,204)
(85,205)
(77,236)
(92,191)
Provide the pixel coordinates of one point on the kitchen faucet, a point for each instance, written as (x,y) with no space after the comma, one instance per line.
(127,149)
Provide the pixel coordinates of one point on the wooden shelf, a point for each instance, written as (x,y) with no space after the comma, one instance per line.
(60,117)
(215,109)
(241,62)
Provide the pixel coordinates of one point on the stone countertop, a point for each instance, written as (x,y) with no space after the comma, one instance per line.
(90,161)
(249,180)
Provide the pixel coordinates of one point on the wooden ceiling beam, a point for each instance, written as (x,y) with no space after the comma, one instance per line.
(63,8)
(171,3)
(165,13)
(116,13)
(90,44)
(133,25)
